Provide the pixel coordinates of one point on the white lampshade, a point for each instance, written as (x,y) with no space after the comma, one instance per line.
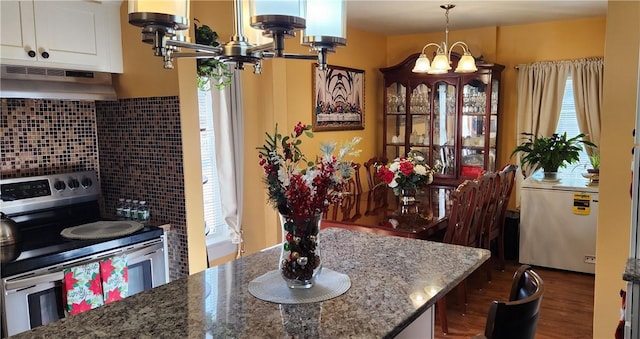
(178,8)
(440,64)
(326,18)
(466,64)
(422,64)
(254,35)
(295,8)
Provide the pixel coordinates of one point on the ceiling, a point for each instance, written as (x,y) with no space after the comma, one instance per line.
(399,17)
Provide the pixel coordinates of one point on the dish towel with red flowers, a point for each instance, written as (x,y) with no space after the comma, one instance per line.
(82,288)
(115,278)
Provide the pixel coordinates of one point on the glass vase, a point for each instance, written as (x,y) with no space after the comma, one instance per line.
(300,261)
(407,196)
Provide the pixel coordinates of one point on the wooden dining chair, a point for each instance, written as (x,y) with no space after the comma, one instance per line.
(465,200)
(484,212)
(348,207)
(371,168)
(506,179)
(356,178)
(518,317)
(377,194)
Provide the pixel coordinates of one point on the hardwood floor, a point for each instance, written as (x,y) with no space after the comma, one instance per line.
(566,310)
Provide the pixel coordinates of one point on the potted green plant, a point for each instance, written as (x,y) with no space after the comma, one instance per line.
(550,153)
(211,71)
(594,159)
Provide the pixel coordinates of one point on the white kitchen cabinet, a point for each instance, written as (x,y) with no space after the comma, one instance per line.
(79,34)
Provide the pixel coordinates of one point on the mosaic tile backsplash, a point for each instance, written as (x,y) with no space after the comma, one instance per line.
(42,137)
(134,144)
(140,147)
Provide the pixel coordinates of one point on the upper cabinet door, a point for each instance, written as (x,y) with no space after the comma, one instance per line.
(18,36)
(78,34)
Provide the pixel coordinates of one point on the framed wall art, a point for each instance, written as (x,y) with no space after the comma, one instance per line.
(338,98)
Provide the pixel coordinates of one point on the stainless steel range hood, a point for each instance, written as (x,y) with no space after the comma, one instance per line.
(53,83)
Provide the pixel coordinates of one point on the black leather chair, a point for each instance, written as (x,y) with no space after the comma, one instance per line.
(518,317)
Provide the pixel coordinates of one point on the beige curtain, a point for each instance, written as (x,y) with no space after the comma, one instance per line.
(587,75)
(229,143)
(540,91)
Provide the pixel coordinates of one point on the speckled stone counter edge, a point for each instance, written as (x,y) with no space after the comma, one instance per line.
(632,270)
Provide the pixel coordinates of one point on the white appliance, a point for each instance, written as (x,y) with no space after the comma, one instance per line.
(558,221)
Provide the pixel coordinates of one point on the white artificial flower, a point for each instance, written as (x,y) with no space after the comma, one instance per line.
(419,158)
(394,167)
(393,183)
(420,170)
(283,177)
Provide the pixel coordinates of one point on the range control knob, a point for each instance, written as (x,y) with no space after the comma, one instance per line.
(86,182)
(73,183)
(59,185)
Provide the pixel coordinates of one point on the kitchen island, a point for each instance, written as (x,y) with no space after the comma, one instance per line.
(394,281)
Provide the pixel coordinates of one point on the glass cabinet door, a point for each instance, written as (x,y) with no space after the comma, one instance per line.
(420,115)
(444,128)
(473,127)
(396,120)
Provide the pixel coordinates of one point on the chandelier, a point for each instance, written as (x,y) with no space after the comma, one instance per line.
(442,61)
(323,22)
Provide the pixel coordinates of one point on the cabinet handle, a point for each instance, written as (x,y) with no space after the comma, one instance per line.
(32,54)
(45,55)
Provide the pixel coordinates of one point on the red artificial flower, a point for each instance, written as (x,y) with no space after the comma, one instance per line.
(299,128)
(385,174)
(406,168)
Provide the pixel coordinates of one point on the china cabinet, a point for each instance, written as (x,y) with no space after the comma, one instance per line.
(79,35)
(452,118)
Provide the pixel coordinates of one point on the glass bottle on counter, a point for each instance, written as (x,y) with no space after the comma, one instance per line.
(143,211)
(120,209)
(134,210)
(127,209)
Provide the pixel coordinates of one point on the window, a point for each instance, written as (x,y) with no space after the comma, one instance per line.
(569,123)
(215,224)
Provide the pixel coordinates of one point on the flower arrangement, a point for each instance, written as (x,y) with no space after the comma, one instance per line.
(406,173)
(301,188)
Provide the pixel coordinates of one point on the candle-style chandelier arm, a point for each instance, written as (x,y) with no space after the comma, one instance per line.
(439,47)
(464,46)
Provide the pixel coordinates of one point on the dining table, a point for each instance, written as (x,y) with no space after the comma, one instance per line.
(394,283)
(380,211)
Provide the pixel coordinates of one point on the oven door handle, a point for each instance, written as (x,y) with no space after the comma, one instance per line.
(12,286)
(20,283)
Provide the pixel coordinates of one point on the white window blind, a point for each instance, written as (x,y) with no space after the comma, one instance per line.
(569,123)
(217,228)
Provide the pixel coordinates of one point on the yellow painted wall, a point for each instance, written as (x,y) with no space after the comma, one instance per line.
(143,74)
(620,100)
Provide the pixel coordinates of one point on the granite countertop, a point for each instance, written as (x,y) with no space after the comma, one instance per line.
(632,270)
(387,274)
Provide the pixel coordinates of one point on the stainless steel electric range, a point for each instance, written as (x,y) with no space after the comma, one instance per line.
(42,206)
